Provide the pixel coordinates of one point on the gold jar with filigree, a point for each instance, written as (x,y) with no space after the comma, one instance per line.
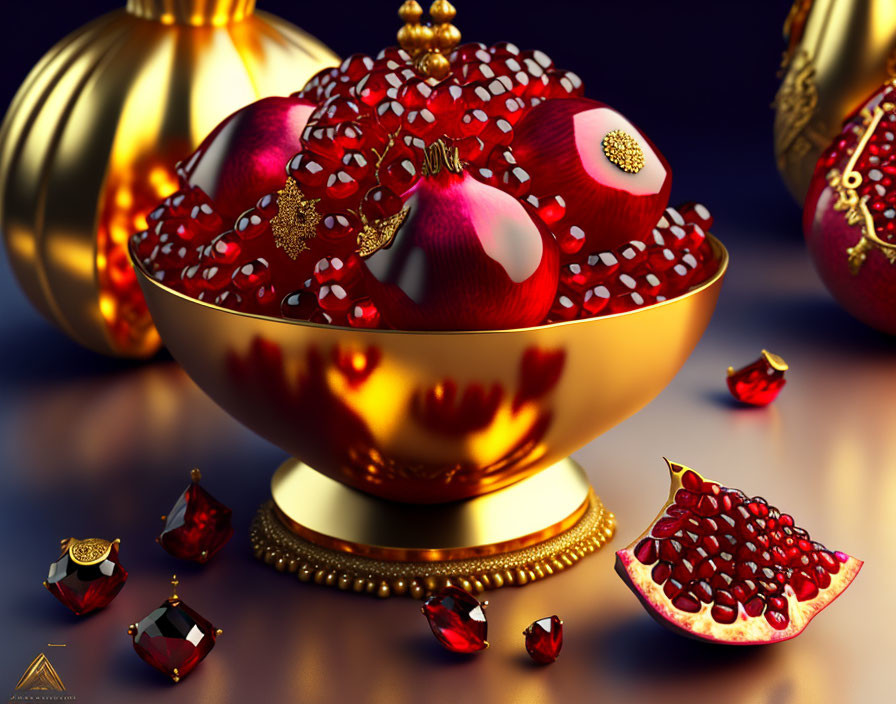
(838,53)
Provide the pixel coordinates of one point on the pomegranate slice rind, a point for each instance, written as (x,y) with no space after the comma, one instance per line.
(779,613)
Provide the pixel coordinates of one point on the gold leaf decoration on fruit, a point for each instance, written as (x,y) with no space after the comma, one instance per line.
(854,208)
(90,551)
(374,236)
(438,156)
(624,151)
(296,220)
(775,361)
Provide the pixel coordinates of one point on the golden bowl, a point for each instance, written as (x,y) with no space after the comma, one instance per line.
(430,417)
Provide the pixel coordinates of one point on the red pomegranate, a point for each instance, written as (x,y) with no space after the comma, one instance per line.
(849,218)
(468,257)
(721,566)
(245,156)
(614,182)
(291,207)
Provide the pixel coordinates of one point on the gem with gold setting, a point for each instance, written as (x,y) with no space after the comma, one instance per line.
(198,525)
(173,638)
(457,619)
(544,639)
(87,576)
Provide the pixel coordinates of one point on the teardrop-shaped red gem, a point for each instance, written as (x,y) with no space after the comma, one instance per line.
(544,638)
(457,619)
(197,527)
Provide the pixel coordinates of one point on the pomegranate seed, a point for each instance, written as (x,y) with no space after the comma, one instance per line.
(364,314)
(252,275)
(571,239)
(341,185)
(339,227)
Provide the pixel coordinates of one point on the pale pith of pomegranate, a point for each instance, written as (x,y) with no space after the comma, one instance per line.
(721,566)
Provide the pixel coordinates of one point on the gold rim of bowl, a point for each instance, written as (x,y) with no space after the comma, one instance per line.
(716,244)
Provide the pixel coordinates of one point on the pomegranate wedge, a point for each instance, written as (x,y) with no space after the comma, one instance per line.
(718,565)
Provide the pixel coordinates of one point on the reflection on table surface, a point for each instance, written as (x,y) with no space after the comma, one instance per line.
(92,447)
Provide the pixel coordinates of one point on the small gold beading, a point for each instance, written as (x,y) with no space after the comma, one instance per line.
(624,151)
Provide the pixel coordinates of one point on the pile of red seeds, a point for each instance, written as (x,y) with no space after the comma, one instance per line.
(715,545)
(363,147)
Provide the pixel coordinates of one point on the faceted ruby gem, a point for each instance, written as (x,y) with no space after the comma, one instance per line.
(174,639)
(457,619)
(758,383)
(544,638)
(86,587)
(198,526)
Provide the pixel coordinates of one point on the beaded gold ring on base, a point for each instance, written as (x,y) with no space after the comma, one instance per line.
(404,568)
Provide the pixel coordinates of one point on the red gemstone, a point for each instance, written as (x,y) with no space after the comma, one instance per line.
(457,619)
(759,383)
(544,638)
(198,526)
(174,639)
(87,578)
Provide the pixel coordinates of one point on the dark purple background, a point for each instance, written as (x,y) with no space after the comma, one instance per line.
(697,76)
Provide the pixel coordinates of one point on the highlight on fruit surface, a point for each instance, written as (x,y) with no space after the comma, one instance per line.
(614,181)
(720,566)
(468,257)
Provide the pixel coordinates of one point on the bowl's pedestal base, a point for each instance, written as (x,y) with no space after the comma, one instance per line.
(332,535)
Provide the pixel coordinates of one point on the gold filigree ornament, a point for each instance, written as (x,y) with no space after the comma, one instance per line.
(795,105)
(91,551)
(380,233)
(296,220)
(855,209)
(624,151)
(438,156)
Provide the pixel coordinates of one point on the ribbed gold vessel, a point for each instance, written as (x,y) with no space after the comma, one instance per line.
(89,144)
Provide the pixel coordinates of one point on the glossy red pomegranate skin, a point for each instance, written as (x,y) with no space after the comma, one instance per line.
(870,293)
(245,156)
(560,144)
(468,257)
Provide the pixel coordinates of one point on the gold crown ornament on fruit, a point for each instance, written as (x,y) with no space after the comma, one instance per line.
(89,143)
(463,271)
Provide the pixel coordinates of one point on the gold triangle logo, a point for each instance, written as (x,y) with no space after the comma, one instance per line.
(40,675)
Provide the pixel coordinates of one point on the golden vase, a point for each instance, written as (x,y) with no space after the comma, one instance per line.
(839,52)
(88,146)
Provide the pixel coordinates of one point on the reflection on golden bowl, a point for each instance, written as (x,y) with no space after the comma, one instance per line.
(429,417)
